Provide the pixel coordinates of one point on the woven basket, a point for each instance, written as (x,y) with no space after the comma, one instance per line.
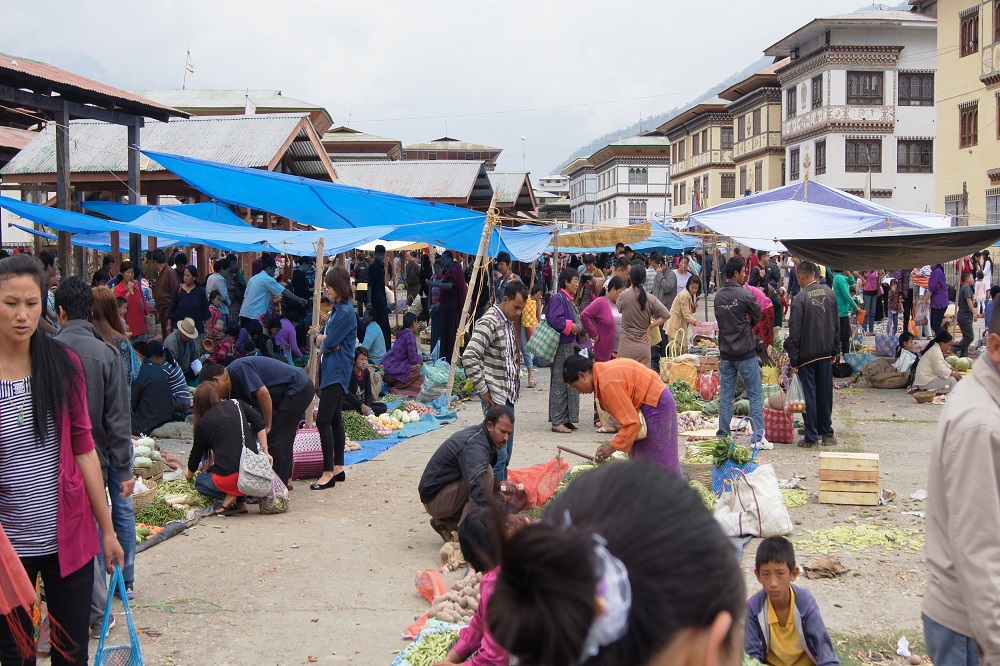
(701,472)
(924,397)
(140,500)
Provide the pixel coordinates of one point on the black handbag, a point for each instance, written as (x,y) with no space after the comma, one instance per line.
(842,370)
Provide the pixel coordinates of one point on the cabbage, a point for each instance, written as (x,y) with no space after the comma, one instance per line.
(414,416)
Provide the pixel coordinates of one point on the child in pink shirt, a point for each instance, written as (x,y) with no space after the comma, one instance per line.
(477,534)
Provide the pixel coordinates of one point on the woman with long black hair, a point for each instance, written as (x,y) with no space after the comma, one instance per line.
(336,343)
(51,487)
(641,313)
(933,372)
(561,314)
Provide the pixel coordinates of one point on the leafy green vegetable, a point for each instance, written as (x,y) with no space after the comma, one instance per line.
(685,399)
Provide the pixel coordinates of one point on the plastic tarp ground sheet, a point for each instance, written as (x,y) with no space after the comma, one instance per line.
(374,447)
(327,205)
(210,211)
(760,225)
(824,195)
(894,249)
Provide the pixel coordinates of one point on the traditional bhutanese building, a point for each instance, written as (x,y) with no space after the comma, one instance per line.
(758,154)
(968,109)
(447,148)
(344,144)
(858,105)
(701,161)
(626,182)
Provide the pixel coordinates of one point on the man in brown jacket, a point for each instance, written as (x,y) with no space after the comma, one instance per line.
(962,606)
(164,291)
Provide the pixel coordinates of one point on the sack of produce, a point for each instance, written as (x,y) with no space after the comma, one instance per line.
(708,385)
(779,426)
(752,504)
(435,382)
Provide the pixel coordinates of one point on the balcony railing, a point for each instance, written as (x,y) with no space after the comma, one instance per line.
(757,142)
(991,64)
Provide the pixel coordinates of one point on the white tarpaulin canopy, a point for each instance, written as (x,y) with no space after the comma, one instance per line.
(759,226)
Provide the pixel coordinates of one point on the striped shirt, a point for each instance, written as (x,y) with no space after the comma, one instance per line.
(29,475)
(492,359)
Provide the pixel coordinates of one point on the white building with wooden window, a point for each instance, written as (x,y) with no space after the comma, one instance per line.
(626,182)
(858,107)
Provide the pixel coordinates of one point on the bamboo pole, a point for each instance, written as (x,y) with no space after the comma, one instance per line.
(314,329)
(704,274)
(491,219)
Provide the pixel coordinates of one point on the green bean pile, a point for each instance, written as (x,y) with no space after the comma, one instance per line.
(429,649)
(158,513)
(358,428)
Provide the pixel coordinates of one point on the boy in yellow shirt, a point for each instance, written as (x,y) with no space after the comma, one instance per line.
(784,626)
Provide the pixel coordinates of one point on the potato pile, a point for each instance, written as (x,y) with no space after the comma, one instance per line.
(460,603)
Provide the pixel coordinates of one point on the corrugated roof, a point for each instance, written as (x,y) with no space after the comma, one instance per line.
(448,143)
(225,99)
(251,141)
(17,139)
(512,187)
(27,73)
(352,135)
(881,15)
(421,179)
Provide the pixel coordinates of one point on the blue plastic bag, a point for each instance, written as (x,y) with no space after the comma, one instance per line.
(118,655)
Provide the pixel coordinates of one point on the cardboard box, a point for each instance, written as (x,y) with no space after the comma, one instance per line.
(849,478)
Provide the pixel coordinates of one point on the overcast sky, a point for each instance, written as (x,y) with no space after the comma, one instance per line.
(398,68)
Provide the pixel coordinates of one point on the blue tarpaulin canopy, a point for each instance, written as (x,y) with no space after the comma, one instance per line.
(211,211)
(100,240)
(333,206)
(164,222)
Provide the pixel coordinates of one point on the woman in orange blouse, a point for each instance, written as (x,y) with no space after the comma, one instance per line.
(627,389)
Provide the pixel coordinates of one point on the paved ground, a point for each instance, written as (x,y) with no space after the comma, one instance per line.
(332,579)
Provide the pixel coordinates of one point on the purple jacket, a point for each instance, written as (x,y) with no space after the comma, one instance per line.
(808,623)
(403,355)
(561,316)
(938,286)
(598,321)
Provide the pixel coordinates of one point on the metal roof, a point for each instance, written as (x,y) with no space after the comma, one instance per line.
(452,180)
(44,78)
(347,134)
(448,143)
(225,99)
(686,115)
(17,139)
(513,188)
(878,18)
(251,141)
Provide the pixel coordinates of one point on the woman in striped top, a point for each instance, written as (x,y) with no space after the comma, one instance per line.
(51,487)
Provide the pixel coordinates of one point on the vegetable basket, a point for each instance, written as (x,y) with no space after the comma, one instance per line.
(924,397)
(701,472)
(140,500)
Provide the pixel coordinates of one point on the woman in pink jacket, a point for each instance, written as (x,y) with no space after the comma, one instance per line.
(602,322)
(51,488)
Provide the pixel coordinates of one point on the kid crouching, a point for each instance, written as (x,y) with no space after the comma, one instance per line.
(783,625)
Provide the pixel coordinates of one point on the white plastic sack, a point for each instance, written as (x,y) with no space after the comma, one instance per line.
(752,505)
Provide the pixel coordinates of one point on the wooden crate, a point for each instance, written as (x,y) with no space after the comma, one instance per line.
(848,478)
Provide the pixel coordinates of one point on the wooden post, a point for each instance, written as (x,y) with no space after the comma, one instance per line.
(64,247)
(491,219)
(317,292)
(704,273)
(134,240)
(555,262)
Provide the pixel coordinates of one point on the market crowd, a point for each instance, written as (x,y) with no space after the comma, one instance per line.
(84,367)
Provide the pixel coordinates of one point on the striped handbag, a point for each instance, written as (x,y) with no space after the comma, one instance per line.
(307,454)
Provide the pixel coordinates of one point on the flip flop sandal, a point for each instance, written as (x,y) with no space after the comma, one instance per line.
(222,510)
(531,384)
(606,431)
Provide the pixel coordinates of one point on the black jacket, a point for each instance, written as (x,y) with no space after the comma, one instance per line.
(737,312)
(107,395)
(351,398)
(219,433)
(468,455)
(152,400)
(813,326)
